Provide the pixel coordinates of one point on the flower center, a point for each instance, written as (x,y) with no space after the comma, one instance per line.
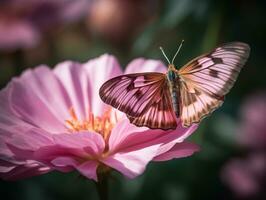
(102,125)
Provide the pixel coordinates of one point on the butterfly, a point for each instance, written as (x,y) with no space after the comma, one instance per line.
(156,100)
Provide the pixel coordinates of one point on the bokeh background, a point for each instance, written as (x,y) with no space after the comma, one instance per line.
(231,164)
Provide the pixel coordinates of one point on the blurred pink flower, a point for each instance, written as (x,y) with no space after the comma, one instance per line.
(55,120)
(17,34)
(22,24)
(246,176)
(252,132)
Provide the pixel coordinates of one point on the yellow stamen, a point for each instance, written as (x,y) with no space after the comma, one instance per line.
(101,125)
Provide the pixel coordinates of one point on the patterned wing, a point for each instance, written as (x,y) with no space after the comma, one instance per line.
(206,79)
(144,97)
(159,114)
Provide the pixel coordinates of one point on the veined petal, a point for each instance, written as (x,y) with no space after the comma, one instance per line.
(75,81)
(131,163)
(21,171)
(66,164)
(98,71)
(38,103)
(172,140)
(89,169)
(121,131)
(128,136)
(9,122)
(41,147)
(82,140)
(31,140)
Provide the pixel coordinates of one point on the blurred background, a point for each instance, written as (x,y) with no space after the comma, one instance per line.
(232,162)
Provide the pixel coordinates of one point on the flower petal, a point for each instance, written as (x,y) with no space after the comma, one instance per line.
(36,145)
(74,79)
(35,102)
(179,150)
(30,141)
(98,71)
(185,133)
(80,147)
(82,140)
(66,164)
(131,163)
(9,122)
(127,136)
(145,65)
(121,131)
(82,83)
(13,168)
(21,171)
(89,169)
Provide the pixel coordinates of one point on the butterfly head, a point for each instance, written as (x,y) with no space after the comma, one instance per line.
(171,67)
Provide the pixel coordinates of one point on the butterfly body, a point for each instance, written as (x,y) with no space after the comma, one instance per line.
(173,85)
(191,93)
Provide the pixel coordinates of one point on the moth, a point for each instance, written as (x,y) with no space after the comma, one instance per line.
(156,100)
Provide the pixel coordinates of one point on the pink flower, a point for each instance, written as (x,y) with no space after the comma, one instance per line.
(55,120)
(245,176)
(22,25)
(252,131)
(17,34)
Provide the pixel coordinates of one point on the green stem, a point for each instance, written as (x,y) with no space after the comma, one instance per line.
(102,186)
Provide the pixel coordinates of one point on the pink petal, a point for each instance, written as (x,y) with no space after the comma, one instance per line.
(39,146)
(26,170)
(24,146)
(88,169)
(131,163)
(66,164)
(145,65)
(98,71)
(82,140)
(81,146)
(9,163)
(12,168)
(121,131)
(185,133)
(36,103)
(9,122)
(137,138)
(86,80)
(179,150)
(75,81)
(31,140)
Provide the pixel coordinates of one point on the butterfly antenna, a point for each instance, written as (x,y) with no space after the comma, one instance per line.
(177,51)
(161,48)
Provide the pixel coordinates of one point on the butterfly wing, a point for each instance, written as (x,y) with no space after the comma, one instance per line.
(144,97)
(205,80)
(159,114)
